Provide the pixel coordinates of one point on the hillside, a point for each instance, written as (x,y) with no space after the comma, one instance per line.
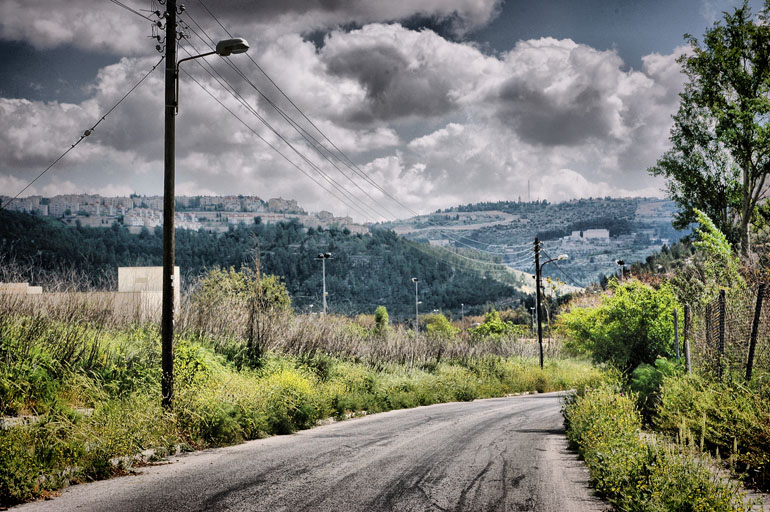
(365,271)
(593,232)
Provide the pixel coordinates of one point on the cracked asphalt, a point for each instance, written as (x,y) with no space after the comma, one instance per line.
(488,455)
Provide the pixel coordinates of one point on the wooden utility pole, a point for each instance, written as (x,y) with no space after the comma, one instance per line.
(167,321)
(538,301)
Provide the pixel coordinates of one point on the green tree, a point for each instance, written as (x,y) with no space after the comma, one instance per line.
(439,326)
(632,325)
(381,320)
(720,160)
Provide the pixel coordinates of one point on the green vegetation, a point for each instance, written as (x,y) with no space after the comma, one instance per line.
(702,424)
(633,324)
(730,420)
(718,162)
(88,383)
(365,270)
(638,473)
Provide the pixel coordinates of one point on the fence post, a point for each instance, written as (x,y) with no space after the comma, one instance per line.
(721,362)
(709,315)
(754,331)
(676,334)
(687,338)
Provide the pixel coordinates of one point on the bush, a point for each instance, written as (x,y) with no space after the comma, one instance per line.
(646,380)
(631,326)
(636,474)
(725,418)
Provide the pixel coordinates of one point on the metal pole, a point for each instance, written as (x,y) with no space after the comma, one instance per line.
(687,364)
(323,272)
(167,320)
(676,333)
(538,300)
(462,314)
(721,332)
(754,331)
(416,314)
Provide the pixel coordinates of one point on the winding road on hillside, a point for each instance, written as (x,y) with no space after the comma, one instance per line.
(487,455)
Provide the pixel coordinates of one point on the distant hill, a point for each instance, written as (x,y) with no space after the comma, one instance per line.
(594,233)
(364,272)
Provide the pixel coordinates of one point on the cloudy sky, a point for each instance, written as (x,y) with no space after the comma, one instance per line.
(434,102)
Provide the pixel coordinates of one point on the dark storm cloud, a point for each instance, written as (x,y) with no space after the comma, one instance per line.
(393,88)
(539,118)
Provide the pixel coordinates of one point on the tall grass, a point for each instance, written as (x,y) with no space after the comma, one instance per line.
(638,473)
(81,380)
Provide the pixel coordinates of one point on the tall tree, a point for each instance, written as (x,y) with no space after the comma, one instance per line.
(720,157)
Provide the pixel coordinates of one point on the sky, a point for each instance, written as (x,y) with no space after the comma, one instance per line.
(433,103)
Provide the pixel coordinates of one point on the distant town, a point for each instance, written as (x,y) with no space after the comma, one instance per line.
(210,213)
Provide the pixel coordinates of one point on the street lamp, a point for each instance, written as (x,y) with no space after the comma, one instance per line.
(323,256)
(224,49)
(538,297)
(416,310)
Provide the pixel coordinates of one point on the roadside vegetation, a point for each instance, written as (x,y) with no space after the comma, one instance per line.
(699,427)
(80,385)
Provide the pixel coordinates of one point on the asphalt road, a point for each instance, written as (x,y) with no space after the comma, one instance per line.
(487,455)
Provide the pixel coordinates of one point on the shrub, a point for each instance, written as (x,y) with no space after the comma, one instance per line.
(636,474)
(725,418)
(646,380)
(631,326)
(381,321)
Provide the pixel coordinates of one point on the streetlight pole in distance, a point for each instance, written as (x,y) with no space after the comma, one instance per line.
(224,49)
(323,256)
(462,313)
(622,265)
(538,294)
(416,310)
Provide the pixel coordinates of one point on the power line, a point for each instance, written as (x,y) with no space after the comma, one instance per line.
(312,141)
(271,146)
(121,4)
(349,163)
(233,92)
(86,133)
(569,278)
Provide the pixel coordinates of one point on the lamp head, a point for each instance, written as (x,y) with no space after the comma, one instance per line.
(562,257)
(415,280)
(229,47)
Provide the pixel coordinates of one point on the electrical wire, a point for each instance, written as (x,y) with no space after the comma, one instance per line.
(312,141)
(349,162)
(233,92)
(270,145)
(569,277)
(86,133)
(121,4)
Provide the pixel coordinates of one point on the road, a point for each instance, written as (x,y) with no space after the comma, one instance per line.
(486,455)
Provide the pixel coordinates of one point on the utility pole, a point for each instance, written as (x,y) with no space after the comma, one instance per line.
(416,310)
(167,321)
(323,257)
(538,300)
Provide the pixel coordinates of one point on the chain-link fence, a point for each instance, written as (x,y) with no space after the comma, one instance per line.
(730,335)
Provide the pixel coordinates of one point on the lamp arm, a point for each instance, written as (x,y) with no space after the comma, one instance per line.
(176,76)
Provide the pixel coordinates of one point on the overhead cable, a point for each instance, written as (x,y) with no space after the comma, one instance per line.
(85,134)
